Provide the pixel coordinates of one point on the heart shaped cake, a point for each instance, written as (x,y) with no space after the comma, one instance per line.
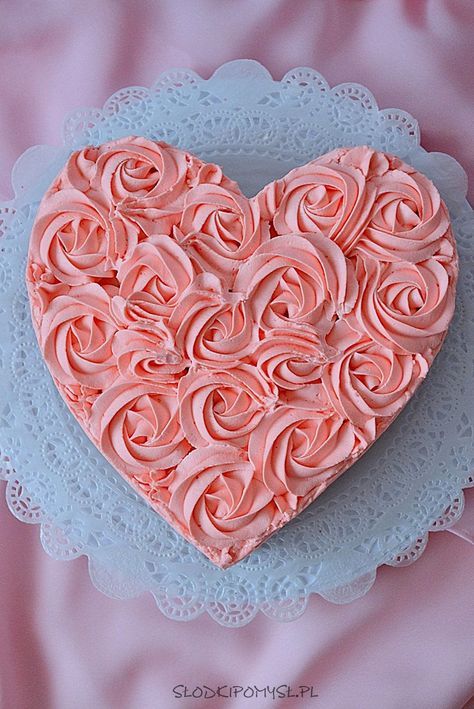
(231,357)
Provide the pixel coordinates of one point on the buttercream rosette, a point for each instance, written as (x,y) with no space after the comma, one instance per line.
(231,357)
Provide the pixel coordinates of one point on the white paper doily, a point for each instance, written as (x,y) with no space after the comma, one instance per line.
(380,511)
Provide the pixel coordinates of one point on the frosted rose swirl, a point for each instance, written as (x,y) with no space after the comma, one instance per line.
(231,357)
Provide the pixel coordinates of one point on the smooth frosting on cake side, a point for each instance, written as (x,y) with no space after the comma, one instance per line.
(231,357)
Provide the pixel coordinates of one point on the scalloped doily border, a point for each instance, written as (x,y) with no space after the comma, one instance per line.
(114,587)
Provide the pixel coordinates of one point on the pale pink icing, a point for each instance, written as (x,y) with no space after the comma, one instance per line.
(137,425)
(327,197)
(78,238)
(292,357)
(207,173)
(79,399)
(148,352)
(231,357)
(224,406)
(76,334)
(298,278)
(79,169)
(216,495)
(140,168)
(214,327)
(152,280)
(408,220)
(220,229)
(369,381)
(296,451)
(403,305)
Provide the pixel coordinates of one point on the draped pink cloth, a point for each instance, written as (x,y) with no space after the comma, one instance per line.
(408,642)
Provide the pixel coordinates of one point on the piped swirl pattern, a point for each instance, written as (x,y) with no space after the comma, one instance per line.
(231,357)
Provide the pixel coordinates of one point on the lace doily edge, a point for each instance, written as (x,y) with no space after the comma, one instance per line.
(113,586)
(440,167)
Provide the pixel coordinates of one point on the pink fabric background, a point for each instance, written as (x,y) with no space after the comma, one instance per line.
(408,643)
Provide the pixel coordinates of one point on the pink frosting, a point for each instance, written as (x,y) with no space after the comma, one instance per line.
(229,356)
(77,238)
(403,305)
(148,353)
(408,221)
(214,327)
(325,197)
(140,169)
(298,451)
(298,278)
(209,174)
(292,357)
(368,382)
(216,495)
(79,398)
(79,169)
(220,229)
(152,280)
(224,406)
(137,426)
(76,335)
(143,181)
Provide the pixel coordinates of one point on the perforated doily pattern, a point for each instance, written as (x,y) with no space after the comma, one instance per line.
(379,512)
